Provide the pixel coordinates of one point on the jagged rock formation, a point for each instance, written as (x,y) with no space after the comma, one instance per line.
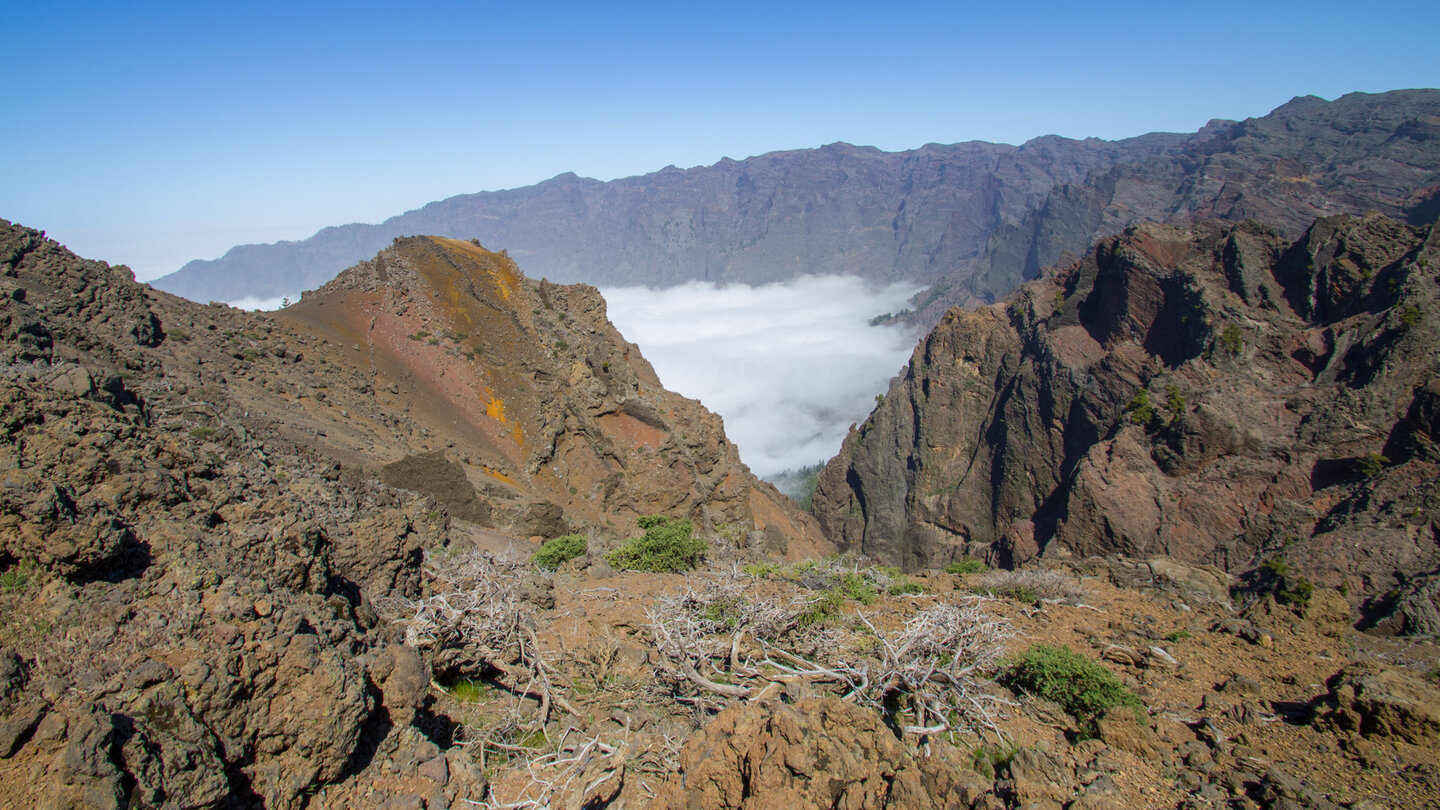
(972,219)
(1217,393)
(193,536)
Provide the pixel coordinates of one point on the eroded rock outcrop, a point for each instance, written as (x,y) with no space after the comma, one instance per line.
(1218,394)
(815,753)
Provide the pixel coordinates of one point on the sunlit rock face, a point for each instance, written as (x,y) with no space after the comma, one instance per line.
(1217,393)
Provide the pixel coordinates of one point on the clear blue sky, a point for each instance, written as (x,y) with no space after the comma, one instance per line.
(151,133)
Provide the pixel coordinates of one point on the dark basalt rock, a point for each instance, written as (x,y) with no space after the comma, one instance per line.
(1220,394)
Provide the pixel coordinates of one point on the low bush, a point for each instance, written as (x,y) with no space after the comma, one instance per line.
(468,690)
(1232,339)
(17,577)
(668,546)
(1141,412)
(1082,687)
(991,761)
(1370,465)
(1017,592)
(965,565)
(905,586)
(1029,585)
(558,550)
(1290,587)
(822,609)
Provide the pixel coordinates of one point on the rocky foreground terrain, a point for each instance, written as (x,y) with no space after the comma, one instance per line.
(285,561)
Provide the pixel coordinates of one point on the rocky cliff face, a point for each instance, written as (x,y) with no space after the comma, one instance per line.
(1217,393)
(203,510)
(1309,158)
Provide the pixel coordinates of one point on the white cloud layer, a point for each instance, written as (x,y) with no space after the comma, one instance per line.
(790,366)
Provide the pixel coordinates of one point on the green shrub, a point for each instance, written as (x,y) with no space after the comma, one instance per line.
(825,607)
(17,577)
(1296,591)
(1410,317)
(1174,401)
(1020,593)
(858,587)
(668,546)
(726,612)
(1141,412)
(1080,686)
(1290,587)
(467,690)
(1370,464)
(991,761)
(761,570)
(1434,674)
(905,586)
(1178,635)
(965,565)
(558,550)
(1232,340)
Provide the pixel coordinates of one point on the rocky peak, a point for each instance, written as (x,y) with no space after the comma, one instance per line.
(1219,393)
(529,388)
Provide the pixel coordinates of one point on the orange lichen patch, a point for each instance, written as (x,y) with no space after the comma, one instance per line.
(500,268)
(499,476)
(495,408)
(632,430)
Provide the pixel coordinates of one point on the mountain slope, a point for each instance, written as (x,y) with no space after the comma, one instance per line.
(526,384)
(1218,393)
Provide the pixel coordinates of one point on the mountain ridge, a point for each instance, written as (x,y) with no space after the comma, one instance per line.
(619,207)
(972,220)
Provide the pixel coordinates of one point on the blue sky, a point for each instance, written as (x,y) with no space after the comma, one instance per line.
(152,133)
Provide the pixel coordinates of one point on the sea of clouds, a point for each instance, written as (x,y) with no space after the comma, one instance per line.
(789,366)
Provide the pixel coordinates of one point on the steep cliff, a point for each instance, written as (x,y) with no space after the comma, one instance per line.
(1218,393)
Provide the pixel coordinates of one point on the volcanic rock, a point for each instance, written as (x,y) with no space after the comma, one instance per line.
(1217,394)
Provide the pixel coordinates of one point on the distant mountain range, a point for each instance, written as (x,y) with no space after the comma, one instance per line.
(973,219)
